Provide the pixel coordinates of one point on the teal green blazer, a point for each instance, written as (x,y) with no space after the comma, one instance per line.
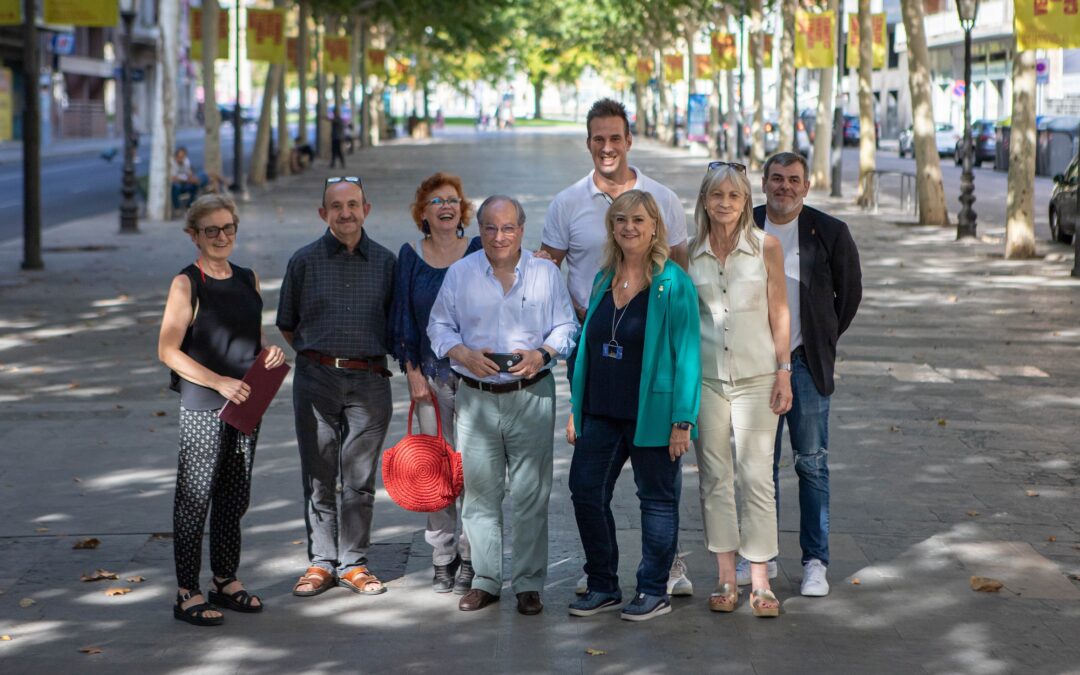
(670,388)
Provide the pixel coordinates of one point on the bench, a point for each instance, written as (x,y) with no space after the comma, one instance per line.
(909,196)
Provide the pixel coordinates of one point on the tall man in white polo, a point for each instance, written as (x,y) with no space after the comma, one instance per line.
(504,300)
(575,231)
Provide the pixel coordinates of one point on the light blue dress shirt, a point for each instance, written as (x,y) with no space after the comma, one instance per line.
(473,310)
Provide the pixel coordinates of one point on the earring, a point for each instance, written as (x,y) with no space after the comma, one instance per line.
(460,231)
(425,227)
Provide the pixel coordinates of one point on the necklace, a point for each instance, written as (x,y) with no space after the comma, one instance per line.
(626,284)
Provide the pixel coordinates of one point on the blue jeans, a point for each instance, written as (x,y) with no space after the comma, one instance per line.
(808,429)
(603,446)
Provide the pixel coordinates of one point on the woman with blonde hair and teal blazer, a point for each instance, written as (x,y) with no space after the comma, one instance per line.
(635,391)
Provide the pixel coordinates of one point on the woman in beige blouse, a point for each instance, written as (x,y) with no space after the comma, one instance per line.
(738,271)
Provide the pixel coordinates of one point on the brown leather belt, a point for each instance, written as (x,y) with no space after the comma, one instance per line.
(374,365)
(505,387)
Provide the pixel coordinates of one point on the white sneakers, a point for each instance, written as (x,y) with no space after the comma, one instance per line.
(678,583)
(814,583)
(742,571)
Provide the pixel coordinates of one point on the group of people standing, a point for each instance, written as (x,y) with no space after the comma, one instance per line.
(669,342)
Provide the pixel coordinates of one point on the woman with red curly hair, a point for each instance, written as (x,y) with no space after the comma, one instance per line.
(441,213)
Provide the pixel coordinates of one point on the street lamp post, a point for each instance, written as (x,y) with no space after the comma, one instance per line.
(838,111)
(129,209)
(238,122)
(968,10)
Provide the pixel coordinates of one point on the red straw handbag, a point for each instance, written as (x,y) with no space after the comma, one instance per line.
(423,473)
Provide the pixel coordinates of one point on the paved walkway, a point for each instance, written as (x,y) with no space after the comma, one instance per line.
(954,433)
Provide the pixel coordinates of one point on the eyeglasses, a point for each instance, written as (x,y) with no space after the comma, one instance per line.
(355,180)
(213,231)
(439,201)
(713,166)
(492,230)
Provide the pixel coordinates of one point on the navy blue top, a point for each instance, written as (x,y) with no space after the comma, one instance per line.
(336,302)
(611,385)
(416,285)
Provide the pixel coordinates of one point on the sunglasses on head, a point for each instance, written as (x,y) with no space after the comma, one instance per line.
(713,166)
(355,180)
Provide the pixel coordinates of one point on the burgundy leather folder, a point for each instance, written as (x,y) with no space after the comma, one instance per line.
(264,385)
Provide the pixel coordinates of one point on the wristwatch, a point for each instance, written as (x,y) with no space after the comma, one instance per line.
(784,366)
(682,425)
(547,356)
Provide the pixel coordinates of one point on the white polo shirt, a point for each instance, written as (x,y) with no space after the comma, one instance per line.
(575,224)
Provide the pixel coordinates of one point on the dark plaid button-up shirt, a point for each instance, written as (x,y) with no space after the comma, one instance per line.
(336,302)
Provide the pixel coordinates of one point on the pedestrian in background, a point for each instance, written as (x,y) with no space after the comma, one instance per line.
(333,310)
(337,137)
(746,381)
(636,386)
(824,288)
(575,230)
(211,334)
(503,316)
(441,213)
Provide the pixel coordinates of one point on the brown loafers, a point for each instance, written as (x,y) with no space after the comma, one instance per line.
(476,599)
(529,603)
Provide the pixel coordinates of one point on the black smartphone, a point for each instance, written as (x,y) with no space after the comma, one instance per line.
(504,361)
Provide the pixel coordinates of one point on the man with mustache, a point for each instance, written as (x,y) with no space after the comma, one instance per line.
(574,228)
(824,288)
(333,308)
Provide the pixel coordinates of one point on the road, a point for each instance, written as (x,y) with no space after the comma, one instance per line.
(86,185)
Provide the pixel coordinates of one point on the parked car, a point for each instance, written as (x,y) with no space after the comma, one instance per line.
(1063,207)
(984,133)
(772,136)
(906,142)
(851,129)
(809,119)
(945,137)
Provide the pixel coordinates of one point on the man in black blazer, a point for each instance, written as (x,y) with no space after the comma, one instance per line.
(824,287)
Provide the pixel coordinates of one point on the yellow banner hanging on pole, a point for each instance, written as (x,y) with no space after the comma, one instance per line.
(7,94)
(673,67)
(767,48)
(10,12)
(376,62)
(704,66)
(815,39)
(92,13)
(266,35)
(1046,24)
(195,27)
(877,22)
(643,70)
(336,59)
(724,52)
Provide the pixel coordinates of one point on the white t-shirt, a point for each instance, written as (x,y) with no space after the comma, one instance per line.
(788,234)
(575,224)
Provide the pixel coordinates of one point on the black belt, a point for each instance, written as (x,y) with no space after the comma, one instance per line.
(505,387)
(375,365)
(798,351)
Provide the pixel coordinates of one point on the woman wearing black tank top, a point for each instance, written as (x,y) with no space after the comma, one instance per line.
(210,335)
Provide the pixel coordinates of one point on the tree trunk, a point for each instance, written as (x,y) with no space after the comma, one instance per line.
(260,152)
(322,130)
(284,143)
(665,132)
(538,93)
(786,104)
(304,58)
(932,210)
(757,127)
(211,115)
(1020,211)
(867,129)
(159,191)
(823,129)
(354,74)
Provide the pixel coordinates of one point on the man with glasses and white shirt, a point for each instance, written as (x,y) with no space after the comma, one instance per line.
(502,316)
(333,309)
(575,231)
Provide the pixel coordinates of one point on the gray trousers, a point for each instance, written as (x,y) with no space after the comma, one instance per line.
(341,422)
(442,526)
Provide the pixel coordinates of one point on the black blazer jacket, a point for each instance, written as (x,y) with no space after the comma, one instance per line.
(830,288)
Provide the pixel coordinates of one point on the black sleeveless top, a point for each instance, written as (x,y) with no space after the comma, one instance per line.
(226,334)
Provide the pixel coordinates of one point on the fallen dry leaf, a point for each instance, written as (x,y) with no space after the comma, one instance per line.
(952,298)
(135,580)
(1075,577)
(297,542)
(594,652)
(92,542)
(160,413)
(117,591)
(90,650)
(942,421)
(894,428)
(986,585)
(27,602)
(973,513)
(41,529)
(5,638)
(855,581)
(73,385)
(1032,493)
(77,479)
(99,575)
(1051,538)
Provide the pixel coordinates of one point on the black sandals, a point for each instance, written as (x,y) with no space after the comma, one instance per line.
(196,614)
(240,601)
